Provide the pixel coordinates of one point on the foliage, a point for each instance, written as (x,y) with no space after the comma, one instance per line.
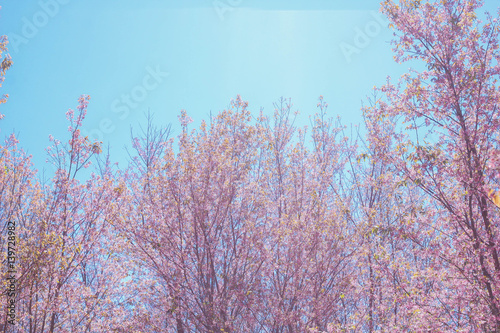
(254,224)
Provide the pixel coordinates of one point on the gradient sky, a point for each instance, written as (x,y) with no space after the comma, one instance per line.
(193,55)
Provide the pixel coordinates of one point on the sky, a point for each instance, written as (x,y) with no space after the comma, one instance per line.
(165,56)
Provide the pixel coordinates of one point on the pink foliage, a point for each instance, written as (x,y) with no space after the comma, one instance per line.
(254,224)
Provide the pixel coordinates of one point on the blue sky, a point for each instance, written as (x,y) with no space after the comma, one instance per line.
(131,56)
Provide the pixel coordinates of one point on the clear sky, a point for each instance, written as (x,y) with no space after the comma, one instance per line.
(131,56)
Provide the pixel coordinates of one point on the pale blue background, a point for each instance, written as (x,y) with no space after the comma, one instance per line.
(261,50)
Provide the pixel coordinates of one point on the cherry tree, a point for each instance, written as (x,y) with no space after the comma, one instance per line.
(68,276)
(257,225)
(243,228)
(389,213)
(309,261)
(4,66)
(194,225)
(442,125)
